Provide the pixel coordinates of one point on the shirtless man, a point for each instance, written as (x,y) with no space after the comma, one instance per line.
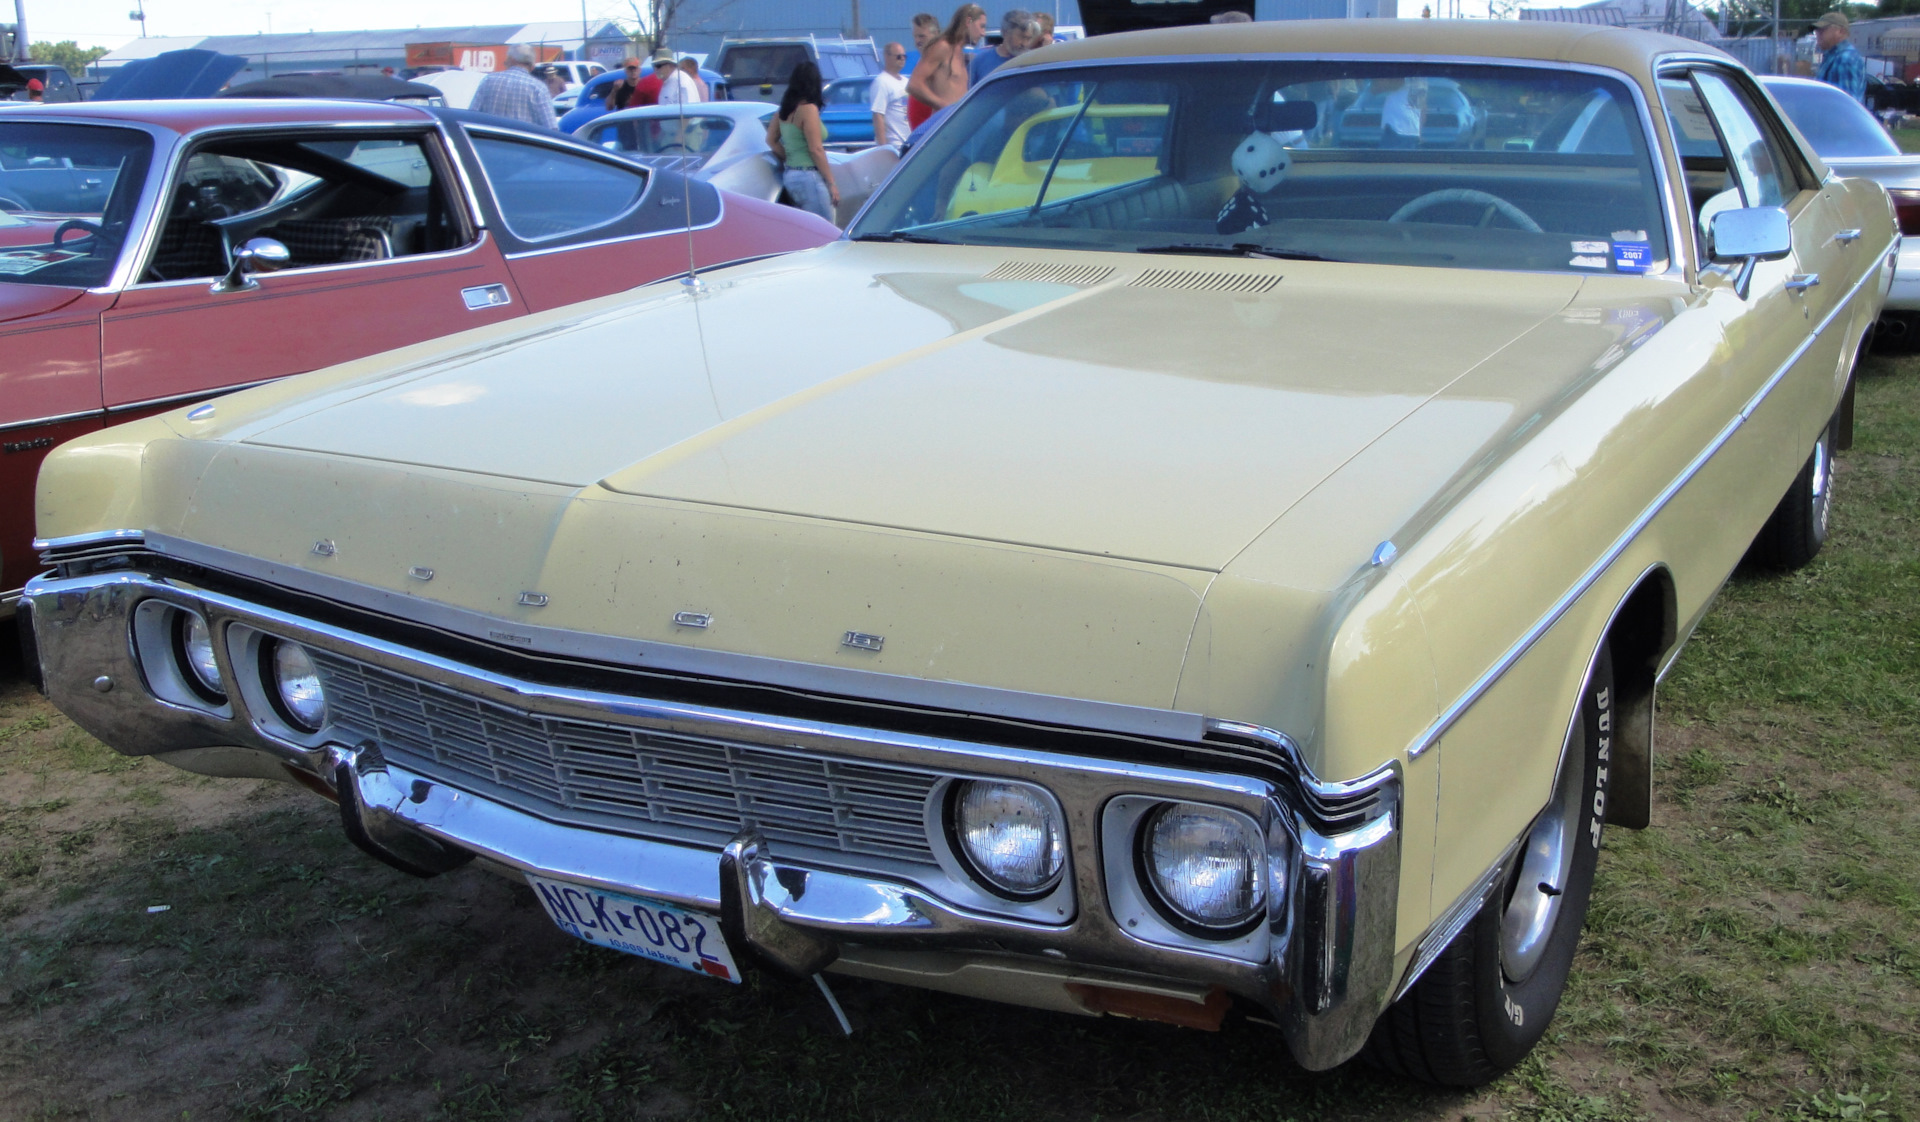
(941,78)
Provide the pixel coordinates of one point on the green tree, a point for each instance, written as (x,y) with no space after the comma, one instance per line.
(68,54)
(1755,17)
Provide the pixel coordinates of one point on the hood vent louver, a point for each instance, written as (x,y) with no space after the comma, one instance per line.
(1049,273)
(1197,280)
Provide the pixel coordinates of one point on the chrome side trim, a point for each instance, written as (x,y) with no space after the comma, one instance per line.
(1453,921)
(73,543)
(181,398)
(1594,572)
(473,246)
(848,681)
(56,419)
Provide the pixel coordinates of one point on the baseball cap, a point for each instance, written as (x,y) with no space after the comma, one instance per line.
(1832,19)
(34,85)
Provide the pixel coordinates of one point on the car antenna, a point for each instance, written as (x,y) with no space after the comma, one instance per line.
(692,281)
(838,1014)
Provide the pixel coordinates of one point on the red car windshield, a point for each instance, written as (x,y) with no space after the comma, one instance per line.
(66,199)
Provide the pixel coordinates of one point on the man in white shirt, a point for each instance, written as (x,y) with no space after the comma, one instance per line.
(889,103)
(678,88)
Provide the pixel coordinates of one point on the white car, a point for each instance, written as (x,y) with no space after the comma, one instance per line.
(725,143)
(1853,143)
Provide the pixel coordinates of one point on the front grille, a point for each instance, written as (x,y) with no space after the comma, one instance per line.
(638,781)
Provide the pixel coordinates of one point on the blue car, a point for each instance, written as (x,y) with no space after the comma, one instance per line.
(848,115)
(592,104)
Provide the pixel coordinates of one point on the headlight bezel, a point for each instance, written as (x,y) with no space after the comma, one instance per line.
(159,650)
(180,630)
(1142,917)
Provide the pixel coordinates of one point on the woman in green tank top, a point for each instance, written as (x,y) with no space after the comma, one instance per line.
(798,137)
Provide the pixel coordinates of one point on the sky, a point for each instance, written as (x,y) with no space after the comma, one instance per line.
(104,23)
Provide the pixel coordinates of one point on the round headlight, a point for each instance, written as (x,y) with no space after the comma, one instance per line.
(296,684)
(1011,834)
(194,640)
(1206,865)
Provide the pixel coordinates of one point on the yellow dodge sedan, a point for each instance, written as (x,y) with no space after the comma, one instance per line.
(1230,582)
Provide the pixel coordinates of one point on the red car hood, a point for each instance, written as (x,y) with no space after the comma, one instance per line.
(18,301)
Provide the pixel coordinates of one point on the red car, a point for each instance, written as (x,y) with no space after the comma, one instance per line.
(152,253)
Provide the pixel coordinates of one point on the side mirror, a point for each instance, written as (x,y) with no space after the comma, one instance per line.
(255,255)
(1755,232)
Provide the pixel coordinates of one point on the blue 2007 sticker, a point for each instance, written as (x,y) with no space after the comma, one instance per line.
(1632,252)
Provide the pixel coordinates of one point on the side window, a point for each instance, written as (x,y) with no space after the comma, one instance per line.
(544,193)
(1759,163)
(331,200)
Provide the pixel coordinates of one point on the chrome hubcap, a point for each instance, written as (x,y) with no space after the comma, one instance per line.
(1822,487)
(1546,866)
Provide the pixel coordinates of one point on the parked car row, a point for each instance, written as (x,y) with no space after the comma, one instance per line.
(1214,561)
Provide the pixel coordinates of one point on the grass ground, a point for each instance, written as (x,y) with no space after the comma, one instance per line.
(1753,955)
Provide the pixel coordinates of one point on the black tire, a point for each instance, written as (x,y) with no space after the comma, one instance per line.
(1468,1019)
(1797,528)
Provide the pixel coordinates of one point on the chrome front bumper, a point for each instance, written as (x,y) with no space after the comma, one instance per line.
(1321,964)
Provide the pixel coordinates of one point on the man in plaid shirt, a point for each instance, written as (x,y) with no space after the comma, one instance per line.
(1841,63)
(516,93)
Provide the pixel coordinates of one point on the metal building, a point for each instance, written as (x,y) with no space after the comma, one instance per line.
(350,51)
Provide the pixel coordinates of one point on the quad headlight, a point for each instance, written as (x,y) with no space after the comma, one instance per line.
(193,648)
(1011,836)
(1207,865)
(295,685)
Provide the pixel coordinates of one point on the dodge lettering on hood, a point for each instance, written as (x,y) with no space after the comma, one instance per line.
(1203,544)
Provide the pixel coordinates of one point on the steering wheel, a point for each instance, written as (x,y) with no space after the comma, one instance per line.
(672,144)
(12,204)
(60,231)
(1468,195)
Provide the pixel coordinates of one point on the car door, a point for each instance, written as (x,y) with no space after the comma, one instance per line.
(383,252)
(575,224)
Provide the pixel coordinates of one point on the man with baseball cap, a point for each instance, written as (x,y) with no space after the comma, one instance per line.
(36,91)
(1841,63)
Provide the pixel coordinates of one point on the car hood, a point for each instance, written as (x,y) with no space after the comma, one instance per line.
(18,301)
(1161,415)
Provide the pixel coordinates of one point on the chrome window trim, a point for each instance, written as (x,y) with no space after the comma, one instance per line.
(648,180)
(1655,150)
(1478,688)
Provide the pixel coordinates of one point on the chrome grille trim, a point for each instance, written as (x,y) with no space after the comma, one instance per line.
(647,782)
(87,547)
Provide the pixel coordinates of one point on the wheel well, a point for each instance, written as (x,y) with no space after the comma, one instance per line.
(1642,631)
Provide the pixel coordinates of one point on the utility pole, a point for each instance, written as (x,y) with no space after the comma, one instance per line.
(1776,39)
(583,28)
(22,42)
(139,13)
(856,33)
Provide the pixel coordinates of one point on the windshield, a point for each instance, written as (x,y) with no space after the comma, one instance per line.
(66,200)
(1837,126)
(699,136)
(1407,163)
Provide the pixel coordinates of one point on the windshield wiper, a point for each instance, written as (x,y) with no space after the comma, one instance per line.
(1236,249)
(904,236)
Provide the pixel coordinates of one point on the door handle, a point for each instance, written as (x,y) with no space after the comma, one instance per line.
(1800,282)
(1846,237)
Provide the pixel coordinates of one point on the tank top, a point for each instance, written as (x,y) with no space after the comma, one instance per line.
(794,139)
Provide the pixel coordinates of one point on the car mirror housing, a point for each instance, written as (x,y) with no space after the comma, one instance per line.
(1760,232)
(255,255)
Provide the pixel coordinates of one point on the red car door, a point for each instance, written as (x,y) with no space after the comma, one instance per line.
(380,254)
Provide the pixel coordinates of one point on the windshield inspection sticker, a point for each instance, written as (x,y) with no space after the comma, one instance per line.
(18,262)
(1589,247)
(1587,262)
(1632,252)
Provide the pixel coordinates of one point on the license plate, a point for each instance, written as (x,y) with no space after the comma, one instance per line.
(647,928)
